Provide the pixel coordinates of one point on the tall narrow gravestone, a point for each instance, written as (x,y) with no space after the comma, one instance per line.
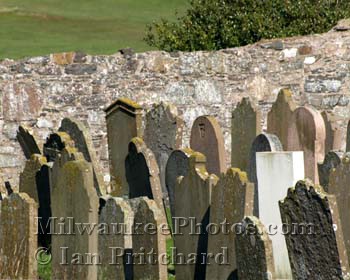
(348,137)
(18,240)
(276,172)
(207,138)
(316,249)
(124,121)
(334,132)
(192,201)
(246,125)
(232,198)
(163,135)
(280,116)
(27,142)
(331,161)
(308,134)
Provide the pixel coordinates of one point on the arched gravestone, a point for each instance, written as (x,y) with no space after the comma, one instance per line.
(280,116)
(83,143)
(163,135)
(308,134)
(27,142)
(246,125)
(262,143)
(55,143)
(334,132)
(319,249)
(254,251)
(331,161)
(124,122)
(231,199)
(207,138)
(177,166)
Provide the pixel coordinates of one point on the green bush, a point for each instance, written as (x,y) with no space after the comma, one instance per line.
(218,24)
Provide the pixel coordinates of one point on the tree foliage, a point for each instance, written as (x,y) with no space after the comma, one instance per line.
(219,24)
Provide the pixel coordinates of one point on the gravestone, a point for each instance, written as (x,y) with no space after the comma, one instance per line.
(124,121)
(163,135)
(83,143)
(262,143)
(246,125)
(308,134)
(74,200)
(177,165)
(331,161)
(145,242)
(34,181)
(192,201)
(276,172)
(231,199)
(280,116)
(55,143)
(348,137)
(27,142)
(318,250)
(18,240)
(115,242)
(334,132)
(254,251)
(207,138)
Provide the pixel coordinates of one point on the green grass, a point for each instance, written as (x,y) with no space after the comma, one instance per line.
(39,27)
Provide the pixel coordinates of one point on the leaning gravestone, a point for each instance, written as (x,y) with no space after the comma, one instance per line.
(18,241)
(27,142)
(246,125)
(124,121)
(262,143)
(163,135)
(308,134)
(280,116)
(115,241)
(334,132)
(83,143)
(192,201)
(34,181)
(232,198)
(74,197)
(276,172)
(254,251)
(317,252)
(207,138)
(177,165)
(55,143)
(146,241)
(331,161)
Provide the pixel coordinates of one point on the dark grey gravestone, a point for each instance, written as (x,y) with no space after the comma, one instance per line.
(331,161)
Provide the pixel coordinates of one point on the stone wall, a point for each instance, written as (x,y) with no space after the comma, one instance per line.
(38,92)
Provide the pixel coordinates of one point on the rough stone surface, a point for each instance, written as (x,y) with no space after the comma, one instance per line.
(348,138)
(18,241)
(331,161)
(207,138)
(27,142)
(246,125)
(335,133)
(231,200)
(254,251)
(308,204)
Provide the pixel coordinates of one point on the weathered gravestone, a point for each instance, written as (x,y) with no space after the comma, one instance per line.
(334,132)
(115,239)
(34,181)
(331,161)
(262,143)
(348,137)
(280,116)
(27,142)
(192,203)
(18,240)
(316,250)
(163,135)
(246,125)
(75,205)
(83,143)
(55,143)
(276,172)
(177,165)
(124,121)
(254,251)
(231,199)
(207,138)
(308,134)
(149,246)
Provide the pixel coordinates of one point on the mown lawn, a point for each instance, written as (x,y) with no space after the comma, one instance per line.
(38,27)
